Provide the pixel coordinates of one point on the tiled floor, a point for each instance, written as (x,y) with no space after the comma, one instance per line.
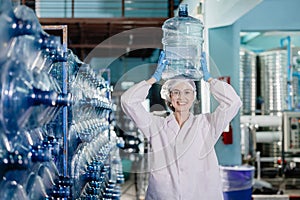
(132,190)
(128,190)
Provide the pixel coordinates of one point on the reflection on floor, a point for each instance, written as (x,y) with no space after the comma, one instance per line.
(134,188)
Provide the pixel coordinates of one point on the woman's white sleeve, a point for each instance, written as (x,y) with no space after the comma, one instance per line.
(131,102)
(229,104)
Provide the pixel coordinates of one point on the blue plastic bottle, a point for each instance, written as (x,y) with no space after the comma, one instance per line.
(182,42)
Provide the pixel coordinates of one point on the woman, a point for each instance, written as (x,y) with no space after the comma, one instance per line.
(183,165)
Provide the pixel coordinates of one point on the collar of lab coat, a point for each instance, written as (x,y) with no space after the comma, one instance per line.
(173,124)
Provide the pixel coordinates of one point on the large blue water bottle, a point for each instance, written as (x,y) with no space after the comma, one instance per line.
(182,41)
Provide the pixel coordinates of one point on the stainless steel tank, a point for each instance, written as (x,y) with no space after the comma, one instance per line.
(273,79)
(248,81)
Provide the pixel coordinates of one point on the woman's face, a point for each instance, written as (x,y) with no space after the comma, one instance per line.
(182,97)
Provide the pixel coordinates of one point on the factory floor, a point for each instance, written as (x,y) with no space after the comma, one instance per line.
(289,186)
(134,187)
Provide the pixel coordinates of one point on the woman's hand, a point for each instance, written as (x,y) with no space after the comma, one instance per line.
(161,66)
(206,75)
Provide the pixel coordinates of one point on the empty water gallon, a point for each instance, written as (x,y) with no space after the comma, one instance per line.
(182,42)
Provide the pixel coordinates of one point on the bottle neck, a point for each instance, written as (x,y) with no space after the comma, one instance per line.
(183,13)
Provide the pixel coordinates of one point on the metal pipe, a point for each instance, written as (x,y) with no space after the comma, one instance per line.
(73,9)
(268,136)
(123,8)
(262,120)
(171,8)
(258,165)
(289,72)
(65,116)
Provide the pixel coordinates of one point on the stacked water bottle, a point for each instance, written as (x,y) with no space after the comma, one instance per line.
(96,168)
(91,167)
(40,158)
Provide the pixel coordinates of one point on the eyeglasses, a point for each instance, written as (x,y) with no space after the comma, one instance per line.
(187,93)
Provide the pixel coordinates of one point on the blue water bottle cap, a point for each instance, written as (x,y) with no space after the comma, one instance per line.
(183,10)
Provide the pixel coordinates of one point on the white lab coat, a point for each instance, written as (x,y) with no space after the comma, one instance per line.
(183,165)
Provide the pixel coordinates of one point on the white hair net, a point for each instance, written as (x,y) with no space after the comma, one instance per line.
(170,84)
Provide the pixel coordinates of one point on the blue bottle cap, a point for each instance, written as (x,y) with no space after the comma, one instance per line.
(183,10)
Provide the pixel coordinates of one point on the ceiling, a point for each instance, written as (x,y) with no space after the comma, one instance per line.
(267,40)
(226,12)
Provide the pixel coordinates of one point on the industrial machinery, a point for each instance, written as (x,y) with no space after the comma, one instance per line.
(270,116)
(56,139)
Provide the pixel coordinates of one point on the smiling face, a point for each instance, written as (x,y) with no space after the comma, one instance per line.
(182,97)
